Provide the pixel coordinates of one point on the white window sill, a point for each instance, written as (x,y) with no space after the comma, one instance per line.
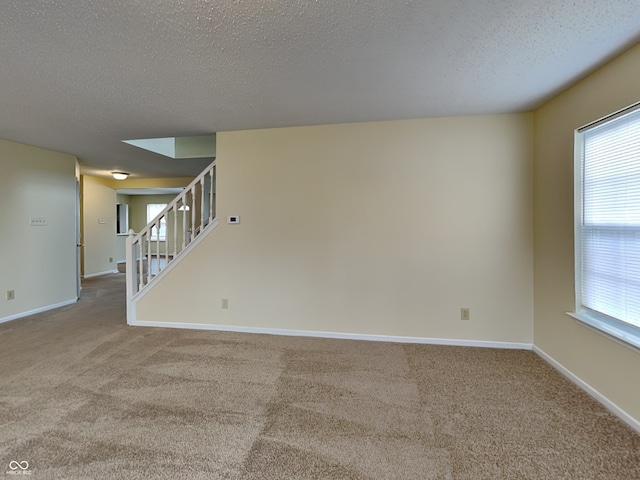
(626,335)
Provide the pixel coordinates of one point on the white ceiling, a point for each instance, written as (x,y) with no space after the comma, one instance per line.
(79,76)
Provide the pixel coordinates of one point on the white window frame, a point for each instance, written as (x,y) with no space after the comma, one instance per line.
(621,331)
(157,234)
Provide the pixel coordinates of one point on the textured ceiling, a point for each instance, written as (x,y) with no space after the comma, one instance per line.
(80,75)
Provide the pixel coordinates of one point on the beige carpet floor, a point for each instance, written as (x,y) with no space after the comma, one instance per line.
(83,396)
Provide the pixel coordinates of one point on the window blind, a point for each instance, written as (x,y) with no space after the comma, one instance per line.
(609,235)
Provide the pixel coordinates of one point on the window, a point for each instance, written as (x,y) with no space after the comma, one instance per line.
(608,225)
(153,210)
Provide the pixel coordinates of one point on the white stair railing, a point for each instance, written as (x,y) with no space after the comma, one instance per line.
(188,216)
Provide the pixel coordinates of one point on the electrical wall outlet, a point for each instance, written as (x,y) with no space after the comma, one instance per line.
(464,314)
(225,303)
(110,259)
(11,294)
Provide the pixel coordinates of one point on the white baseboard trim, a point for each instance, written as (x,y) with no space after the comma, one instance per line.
(338,335)
(608,404)
(38,310)
(99,274)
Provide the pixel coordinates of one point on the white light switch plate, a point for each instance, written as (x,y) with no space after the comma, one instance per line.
(37,221)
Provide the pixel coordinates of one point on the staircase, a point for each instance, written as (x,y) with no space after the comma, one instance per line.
(154,250)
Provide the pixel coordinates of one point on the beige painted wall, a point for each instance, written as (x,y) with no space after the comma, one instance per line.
(610,368)
(39,263)
(121,240)
(99,202)
(374,228)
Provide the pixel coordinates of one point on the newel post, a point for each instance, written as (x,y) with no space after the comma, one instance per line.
(131,273)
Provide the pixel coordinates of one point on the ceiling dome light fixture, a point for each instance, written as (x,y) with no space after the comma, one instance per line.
(120,175)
